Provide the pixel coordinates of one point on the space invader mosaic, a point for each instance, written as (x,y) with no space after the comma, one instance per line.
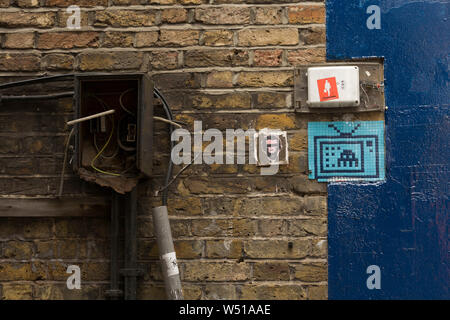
(346,151)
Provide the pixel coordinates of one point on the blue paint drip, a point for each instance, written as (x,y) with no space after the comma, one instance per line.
(400,225)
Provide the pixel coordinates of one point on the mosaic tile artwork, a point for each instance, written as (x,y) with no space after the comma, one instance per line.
(346,151)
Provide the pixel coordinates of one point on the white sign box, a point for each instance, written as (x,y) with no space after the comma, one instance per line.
(334,86)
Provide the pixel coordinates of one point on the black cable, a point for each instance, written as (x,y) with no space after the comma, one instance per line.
(44,96)
(170,168)
(34,80)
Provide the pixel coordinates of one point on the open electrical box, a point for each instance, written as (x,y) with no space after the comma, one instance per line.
(114,150)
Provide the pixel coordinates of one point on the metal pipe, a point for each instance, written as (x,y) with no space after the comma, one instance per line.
(130,271)
(167,254)
(93,116)
(114,292)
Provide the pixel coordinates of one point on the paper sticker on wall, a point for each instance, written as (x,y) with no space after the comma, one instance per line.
(346,151)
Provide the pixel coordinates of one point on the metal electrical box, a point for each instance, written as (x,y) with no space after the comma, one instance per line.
(354,86)
(114,150)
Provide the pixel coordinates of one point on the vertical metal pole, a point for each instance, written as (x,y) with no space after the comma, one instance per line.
(167,253)
(130,271)
(114,292)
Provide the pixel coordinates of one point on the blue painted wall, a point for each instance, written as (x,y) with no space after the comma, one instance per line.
(401,224)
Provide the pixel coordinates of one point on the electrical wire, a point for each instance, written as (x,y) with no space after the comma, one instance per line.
(121,102)
(169,115)
(101,151)
(66,149)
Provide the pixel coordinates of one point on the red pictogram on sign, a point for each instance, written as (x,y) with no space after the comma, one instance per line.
(327,89)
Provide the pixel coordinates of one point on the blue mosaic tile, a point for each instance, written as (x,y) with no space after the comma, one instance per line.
(346,151)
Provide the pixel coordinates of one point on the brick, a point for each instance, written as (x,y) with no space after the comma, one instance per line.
(19,62)
(28,3)
(313,36)
(219,206)
(8,145)
(178,37)
(17,291)
(20,166)
(185,206)
(177,80)
(264,37)
(127,2)
(185,249)
(68,40)
(276,121)
(118,39)
(305,14)
(27,19)
(174,15)
(221,58)
(221,101)
(273,292)
(224,227)
(125,18)
(70,249)
(219,79)
(215,271)
(70,228)
(218,186)
(271,100)
(271,271)
(267,58)
(317,292)
(277,249)
(265,79)
(81,3)
(188,249)
(220,292)
(151,292)
(307,227)
(299,141)
(315,206)
(19,250)
(22,271)
(163,1)
(192,292)
(164,60)
(146,38)
(230,249)
(311,272)
(302,185)
(217,38)
(26,228)
(90,61)
(223,15)
(180,228)
(188,1)
(319,248)
(61,292)
(268,15)
(19,40)
(63,16)
(58,61)
(305,56)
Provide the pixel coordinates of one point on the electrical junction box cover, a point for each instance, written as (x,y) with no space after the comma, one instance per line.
(333,86)
(115,150)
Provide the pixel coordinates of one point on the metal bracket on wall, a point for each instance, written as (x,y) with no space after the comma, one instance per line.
(371,76)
